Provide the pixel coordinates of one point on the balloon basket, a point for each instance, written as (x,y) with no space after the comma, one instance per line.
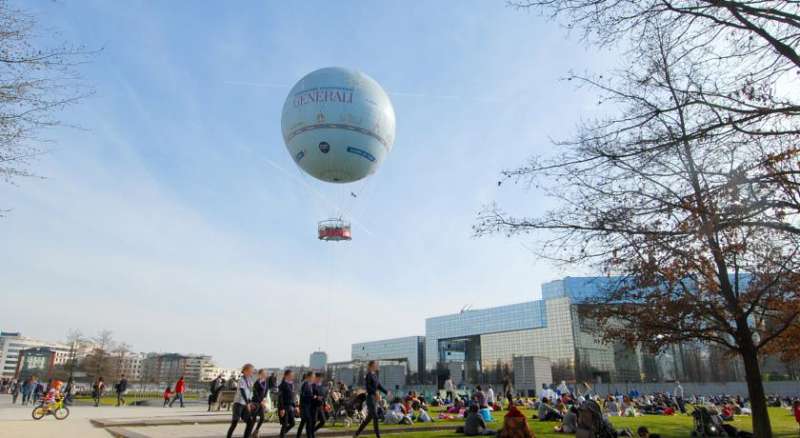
(334,230)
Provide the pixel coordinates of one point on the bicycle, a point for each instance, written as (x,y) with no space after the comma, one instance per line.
(57,409)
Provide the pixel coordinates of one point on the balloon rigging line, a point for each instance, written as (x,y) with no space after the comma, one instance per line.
(301,181)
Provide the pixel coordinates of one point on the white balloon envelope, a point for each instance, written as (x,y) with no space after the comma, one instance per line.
(338,124)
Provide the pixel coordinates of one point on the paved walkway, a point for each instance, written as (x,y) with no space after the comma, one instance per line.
(142,422)
(16,421)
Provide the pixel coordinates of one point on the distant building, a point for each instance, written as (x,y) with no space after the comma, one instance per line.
(318,360)
(482,344)
(39,361)
(210,374)
(168,367)
(11,343)
(348,372)
(531,373)
(393,376)
(410,350)
(130,365)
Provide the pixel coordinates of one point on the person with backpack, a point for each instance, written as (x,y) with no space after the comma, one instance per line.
(214,389)
(474,424)
(97,390)
(121,389)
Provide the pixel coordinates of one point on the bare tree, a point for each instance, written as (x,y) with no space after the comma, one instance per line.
(668,196)
(75,340)
(761,34)
(37,81)
(99,362)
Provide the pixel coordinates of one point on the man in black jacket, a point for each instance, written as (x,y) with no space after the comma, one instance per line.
(260,389)
(121,388)
(286,406)
(321,392)
(373,385)
(308,406)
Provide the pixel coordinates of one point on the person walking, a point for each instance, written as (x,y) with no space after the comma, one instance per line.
(69,392)
(15,389)
(97,390)
(167,396)
(214,389)
(38,390)
(27,389)
(678,394)
(243,407)
(272,384)
(260,396)
(449,389)
(307,400)
(121,388)
(286,405)
(180,388)
(508,390)
(322,392)
(373,385)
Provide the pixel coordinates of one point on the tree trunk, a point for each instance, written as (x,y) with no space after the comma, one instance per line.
(755,388)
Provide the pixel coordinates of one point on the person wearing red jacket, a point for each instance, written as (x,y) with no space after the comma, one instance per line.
(796,411)
(167,395)
(180,387)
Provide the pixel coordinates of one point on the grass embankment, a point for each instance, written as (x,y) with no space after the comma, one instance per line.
(676,426)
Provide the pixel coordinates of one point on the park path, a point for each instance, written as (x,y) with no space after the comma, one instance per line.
(16,421)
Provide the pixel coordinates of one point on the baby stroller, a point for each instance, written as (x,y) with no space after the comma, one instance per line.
(707,424)
(347,411)
(591,423)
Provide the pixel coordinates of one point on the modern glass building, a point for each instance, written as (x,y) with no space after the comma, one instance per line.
(483,343)
(318,360)
(410,349)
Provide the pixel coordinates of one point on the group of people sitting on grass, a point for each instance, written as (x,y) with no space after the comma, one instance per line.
(572,416)
(406,410)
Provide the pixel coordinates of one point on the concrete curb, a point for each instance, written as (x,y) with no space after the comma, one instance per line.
(161,421)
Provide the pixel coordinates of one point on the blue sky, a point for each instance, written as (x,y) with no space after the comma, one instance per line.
(176,218)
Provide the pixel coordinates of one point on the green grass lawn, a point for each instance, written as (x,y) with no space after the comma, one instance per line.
(677,426)
(111,400)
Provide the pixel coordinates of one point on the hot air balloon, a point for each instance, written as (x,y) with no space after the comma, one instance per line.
(338,125)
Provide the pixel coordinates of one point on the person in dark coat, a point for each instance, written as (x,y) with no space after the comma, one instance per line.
(260,391)
(214,389)
(286,405)
(308,408)
(374,388)
(321,391)
(121,389)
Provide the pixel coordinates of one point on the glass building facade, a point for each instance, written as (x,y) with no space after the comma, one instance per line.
(484,343)
(410,349)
